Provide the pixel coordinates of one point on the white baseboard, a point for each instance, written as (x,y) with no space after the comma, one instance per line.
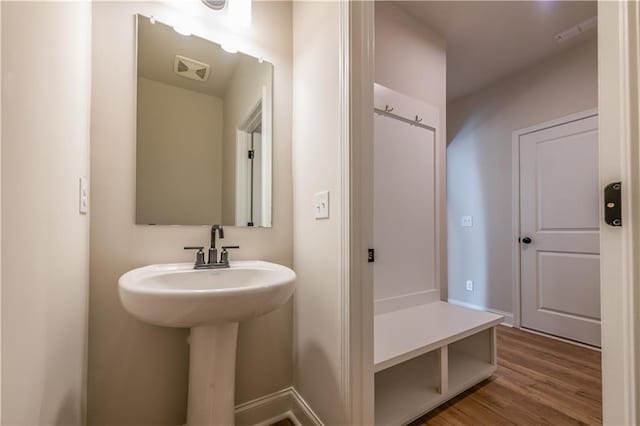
(508,317)
(396,303)
(283,404)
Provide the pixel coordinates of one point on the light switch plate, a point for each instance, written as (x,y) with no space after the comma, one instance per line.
(83,195)
(469,285)
(467,221)
(321,205)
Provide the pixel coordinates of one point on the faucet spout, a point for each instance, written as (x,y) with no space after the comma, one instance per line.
(213,252)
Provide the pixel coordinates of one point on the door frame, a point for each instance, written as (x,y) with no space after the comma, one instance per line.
(357,21)
(619,136)
(515,189)
(619,156)
(259,114)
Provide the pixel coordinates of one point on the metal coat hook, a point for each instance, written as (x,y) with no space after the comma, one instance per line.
(387,108)
(418,119)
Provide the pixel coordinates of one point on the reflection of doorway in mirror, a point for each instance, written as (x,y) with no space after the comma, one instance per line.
(256,177)
(251,170)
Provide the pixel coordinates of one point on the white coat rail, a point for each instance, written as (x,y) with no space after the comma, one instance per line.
(425,355)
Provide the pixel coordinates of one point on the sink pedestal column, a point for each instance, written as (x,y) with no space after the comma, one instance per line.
(212,368)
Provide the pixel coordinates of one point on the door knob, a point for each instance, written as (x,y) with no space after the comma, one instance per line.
(525,240)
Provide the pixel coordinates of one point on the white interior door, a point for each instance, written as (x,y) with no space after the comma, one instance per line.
(559,227)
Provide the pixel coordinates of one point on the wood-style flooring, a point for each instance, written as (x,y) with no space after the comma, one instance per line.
(539,381)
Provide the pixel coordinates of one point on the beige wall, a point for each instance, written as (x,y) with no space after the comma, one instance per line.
(137,372)
(242,94)
(480,127)
(409,57)
(412,59)
(179,155)
(45,149)
(317,243)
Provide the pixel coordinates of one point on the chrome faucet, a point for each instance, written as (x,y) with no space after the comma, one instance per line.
(213,251)
(212,262)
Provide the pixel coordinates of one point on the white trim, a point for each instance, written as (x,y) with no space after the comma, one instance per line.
(243,183)
(515,190)
(618,97)
(398,104)
(301,405)
(268,409)
(361,56)
(508,316)
(345,224)
(261,113)
(406,301)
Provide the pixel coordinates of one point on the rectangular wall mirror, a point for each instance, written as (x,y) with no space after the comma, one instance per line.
(204,132)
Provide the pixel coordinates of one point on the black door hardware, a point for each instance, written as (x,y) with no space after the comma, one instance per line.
(525,240)
(613,204)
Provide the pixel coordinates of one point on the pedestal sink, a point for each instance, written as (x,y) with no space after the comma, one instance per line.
(211,302)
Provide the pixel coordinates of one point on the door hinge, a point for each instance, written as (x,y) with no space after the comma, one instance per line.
(371,255)
(251,154)
(613,204)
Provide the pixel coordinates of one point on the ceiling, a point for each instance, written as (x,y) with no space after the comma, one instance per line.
(158,44)
(489,40)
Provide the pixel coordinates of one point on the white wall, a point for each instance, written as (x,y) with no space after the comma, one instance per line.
(46,78)
(409,57)
(480,127)
(317,243)
(412,59)
(138,372)
(179,155)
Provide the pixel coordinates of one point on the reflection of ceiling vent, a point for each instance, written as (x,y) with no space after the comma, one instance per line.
(190,68)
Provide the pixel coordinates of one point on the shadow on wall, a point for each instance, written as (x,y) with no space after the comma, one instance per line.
(479,185)
(328,404)
(467,246)
(141,391)
(68,412)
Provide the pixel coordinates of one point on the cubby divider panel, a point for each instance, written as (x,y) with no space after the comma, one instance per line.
(407,388)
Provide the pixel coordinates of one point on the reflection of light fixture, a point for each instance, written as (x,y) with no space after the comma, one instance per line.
(229,47)
(215,4)
(181,30)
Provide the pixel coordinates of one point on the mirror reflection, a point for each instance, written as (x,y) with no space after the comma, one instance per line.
(203,132)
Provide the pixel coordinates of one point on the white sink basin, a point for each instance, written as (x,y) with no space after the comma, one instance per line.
(176,295)
(211,302)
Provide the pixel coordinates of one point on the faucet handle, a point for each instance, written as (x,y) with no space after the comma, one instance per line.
(199,254)
(224,255)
